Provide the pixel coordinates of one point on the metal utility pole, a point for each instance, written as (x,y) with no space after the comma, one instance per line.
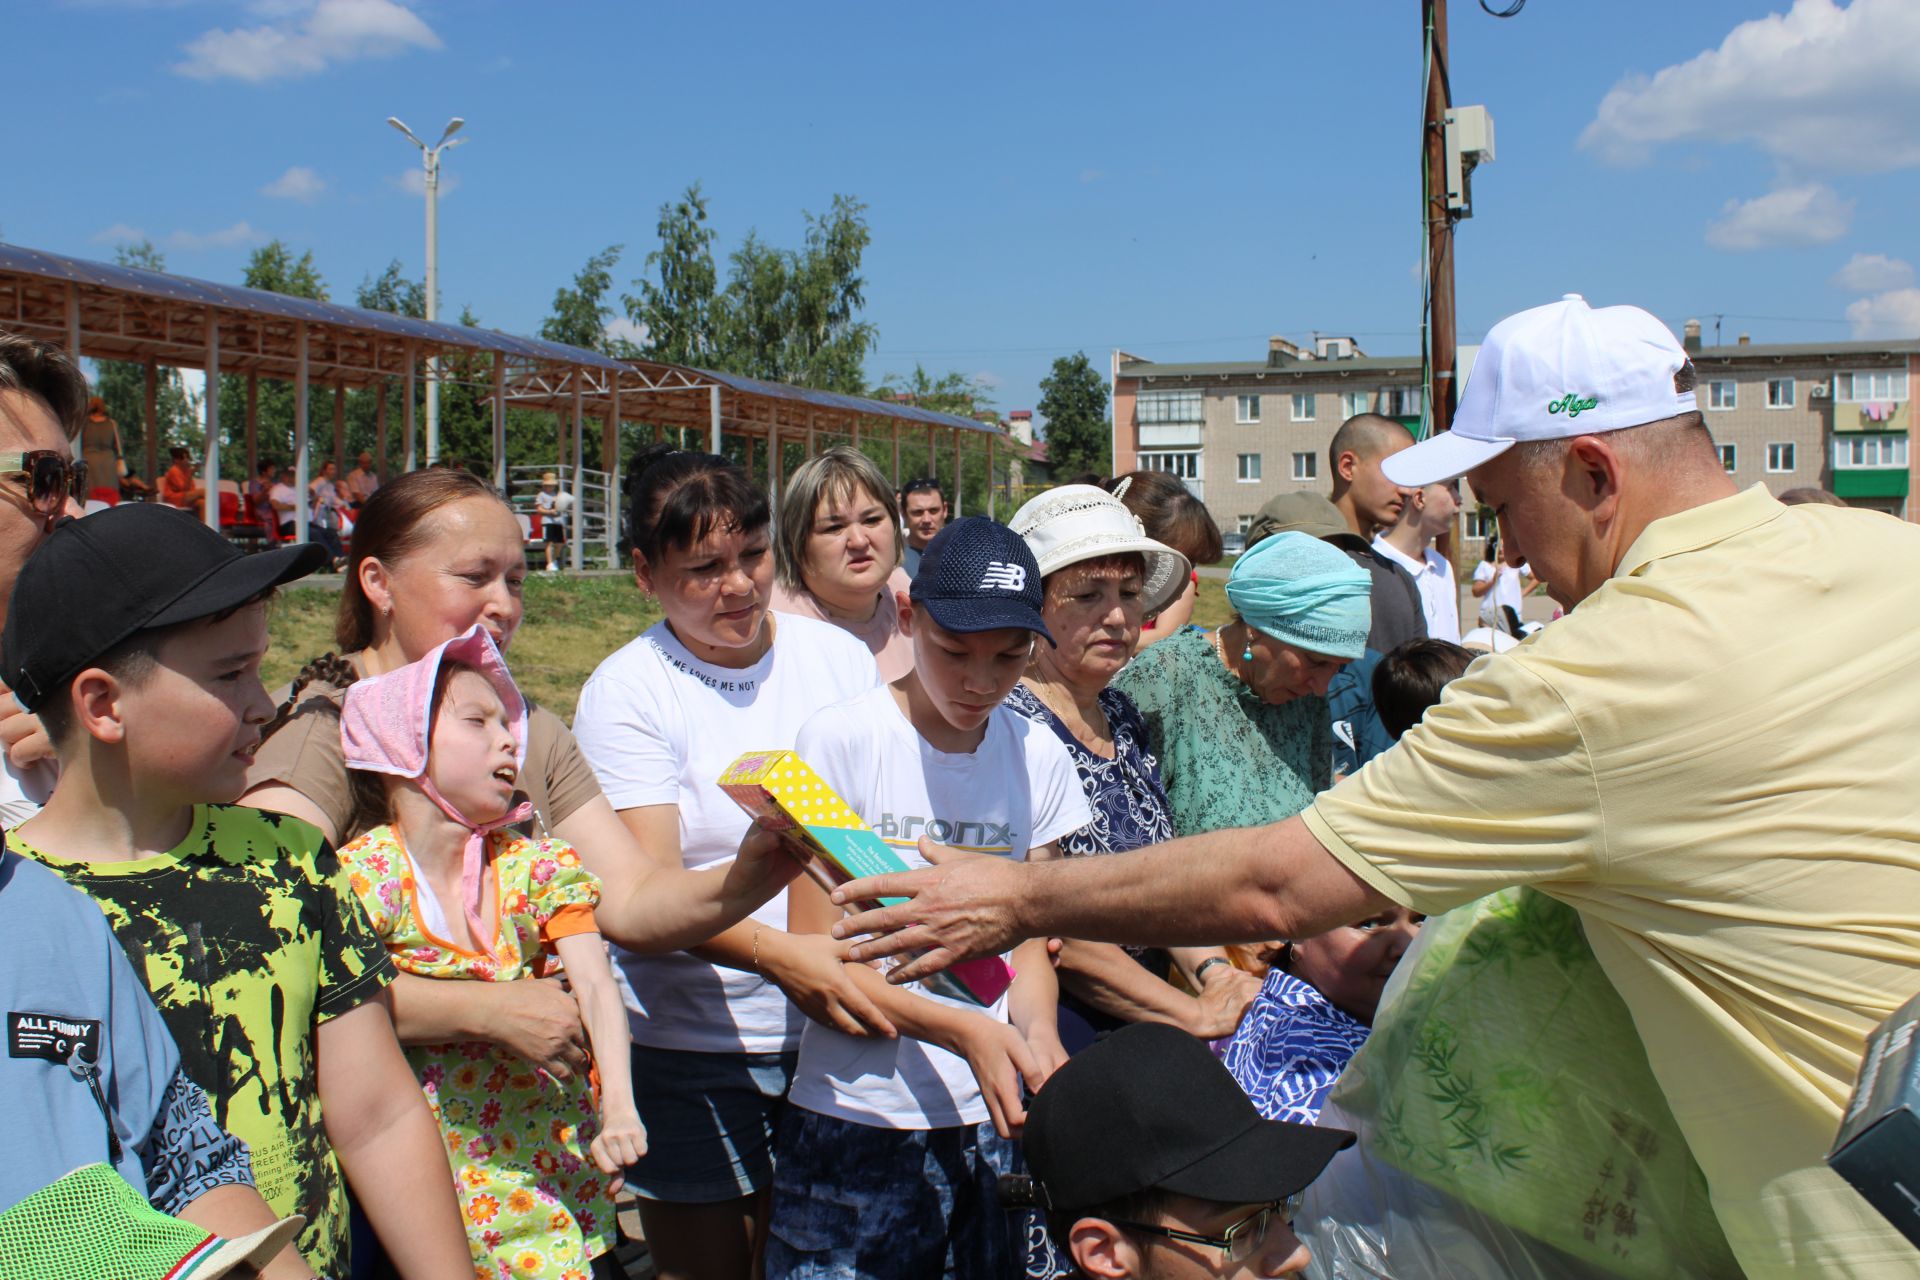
(1438,219)
(430,157)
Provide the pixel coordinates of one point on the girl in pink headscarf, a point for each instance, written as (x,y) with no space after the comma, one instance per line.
(457,894)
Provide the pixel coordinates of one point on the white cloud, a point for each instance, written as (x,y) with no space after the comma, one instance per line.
(1823,87)
(1811,214)
(119,233)
(239,235)
(1092,175)
(1893,314)
(414,181)
(305,41)
(297,183)
(631,330)
(1872,272)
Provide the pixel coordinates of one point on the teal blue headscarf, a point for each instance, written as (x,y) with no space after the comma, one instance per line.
(1304,592)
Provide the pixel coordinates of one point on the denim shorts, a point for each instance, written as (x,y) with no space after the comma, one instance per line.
(852,1202)
(710,1120)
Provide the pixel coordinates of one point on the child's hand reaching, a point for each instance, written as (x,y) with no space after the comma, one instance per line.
(621,1141)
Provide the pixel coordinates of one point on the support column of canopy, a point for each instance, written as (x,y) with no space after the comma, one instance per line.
(302,509)
(339,433)
(210,504)
(152,410)
(576,525)
(610,460)
(959,443)
(500,422)
(713,419)
(773,455)
(253,424)
(407,412)
(380,428)
(991,487)
(896,455)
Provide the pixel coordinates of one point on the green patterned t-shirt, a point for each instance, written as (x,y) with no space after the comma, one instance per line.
(249,937)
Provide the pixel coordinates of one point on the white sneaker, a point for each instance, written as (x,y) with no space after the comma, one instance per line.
(553,568)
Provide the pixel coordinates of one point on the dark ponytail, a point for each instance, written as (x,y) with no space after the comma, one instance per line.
(676,498)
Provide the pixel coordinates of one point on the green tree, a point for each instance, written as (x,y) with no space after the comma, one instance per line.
(677,313)
(828,339)
(1073,400)
(951,392)
(123,385)
(581,310)
(751,318)
(393,292)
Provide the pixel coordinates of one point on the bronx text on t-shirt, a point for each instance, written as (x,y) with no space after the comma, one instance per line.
(990,837)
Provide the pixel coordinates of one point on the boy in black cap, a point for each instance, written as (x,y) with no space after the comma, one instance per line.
(262,965)
(1149,1162)
(885,1165)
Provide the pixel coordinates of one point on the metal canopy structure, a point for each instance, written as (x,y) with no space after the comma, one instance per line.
(109,312)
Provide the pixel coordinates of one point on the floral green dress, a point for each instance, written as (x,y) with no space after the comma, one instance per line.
(516,1138)
(1227,758)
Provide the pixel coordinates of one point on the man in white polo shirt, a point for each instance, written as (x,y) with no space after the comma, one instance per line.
(1709,758)
(1428,513)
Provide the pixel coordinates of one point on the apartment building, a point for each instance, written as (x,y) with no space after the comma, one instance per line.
(1831,415)
(1241,432)
(1835,416)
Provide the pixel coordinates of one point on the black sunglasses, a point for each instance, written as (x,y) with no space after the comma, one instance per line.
(51,477)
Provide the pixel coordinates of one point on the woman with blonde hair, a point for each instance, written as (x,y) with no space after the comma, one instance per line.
(837,554)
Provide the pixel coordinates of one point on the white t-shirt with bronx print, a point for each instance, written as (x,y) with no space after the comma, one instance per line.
(1016,791)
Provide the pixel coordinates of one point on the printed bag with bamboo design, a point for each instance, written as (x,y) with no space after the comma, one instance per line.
(1506,1072)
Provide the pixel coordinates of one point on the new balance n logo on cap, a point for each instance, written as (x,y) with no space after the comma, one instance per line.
(1003,577)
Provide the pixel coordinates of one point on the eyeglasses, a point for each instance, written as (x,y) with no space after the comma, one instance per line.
(920,486)
(51,478)
(1237,1242)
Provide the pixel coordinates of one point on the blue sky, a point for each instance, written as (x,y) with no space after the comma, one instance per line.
(1178,181)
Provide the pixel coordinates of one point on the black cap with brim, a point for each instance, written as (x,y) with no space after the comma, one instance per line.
(1149,1107)
(1270,1160)
(97,581)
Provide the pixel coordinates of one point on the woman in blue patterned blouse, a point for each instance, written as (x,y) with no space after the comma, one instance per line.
(1102,576)
(1314,1012)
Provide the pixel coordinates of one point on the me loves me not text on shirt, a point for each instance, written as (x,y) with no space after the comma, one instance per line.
(659,727)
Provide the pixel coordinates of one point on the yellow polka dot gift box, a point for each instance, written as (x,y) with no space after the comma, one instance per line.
(783,794)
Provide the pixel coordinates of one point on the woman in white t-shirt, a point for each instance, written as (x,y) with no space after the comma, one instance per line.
(715,1030)
(1499,586)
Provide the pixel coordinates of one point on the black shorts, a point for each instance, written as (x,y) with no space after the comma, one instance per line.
(554,530)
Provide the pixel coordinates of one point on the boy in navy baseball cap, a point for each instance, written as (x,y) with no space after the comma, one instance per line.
(886,1163)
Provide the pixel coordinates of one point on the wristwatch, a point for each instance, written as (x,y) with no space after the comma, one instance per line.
(1200,974)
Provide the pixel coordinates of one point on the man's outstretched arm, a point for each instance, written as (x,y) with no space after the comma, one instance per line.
(1250,885)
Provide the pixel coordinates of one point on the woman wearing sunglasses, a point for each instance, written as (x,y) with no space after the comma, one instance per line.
(41,397)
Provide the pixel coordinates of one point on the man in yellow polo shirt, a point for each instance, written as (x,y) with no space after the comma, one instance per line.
(1710,759)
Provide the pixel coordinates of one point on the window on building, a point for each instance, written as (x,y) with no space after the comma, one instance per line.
(1729,457)
(1723,394)
(1780,457)
(1248,467)
(1400,402)
(1246,409)
(1168,406)
(1481,523)
(1303,406)
(1184,466)
(1306,466)
(1241,524)
(1875,384)
(1353,402)
(1852,453)
(1780,393)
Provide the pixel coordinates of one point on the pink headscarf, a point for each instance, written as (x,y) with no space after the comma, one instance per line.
(386,723)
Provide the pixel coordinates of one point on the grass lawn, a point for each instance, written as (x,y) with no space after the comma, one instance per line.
(571,624)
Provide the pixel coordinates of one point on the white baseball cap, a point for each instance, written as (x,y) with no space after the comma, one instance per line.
(1077,522)
(1549,373)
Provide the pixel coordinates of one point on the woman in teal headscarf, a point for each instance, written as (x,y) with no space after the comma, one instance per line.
(1238,716)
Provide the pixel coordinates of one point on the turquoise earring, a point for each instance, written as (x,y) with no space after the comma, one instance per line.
(1246,654)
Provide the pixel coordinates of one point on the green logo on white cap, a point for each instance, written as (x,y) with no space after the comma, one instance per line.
(1571,405)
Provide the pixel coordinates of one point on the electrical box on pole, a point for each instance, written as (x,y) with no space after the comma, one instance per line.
(1469,139)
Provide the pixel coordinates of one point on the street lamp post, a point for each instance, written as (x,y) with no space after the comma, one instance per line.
(430,158)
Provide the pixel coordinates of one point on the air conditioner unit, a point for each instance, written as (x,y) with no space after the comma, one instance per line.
(1819,391)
